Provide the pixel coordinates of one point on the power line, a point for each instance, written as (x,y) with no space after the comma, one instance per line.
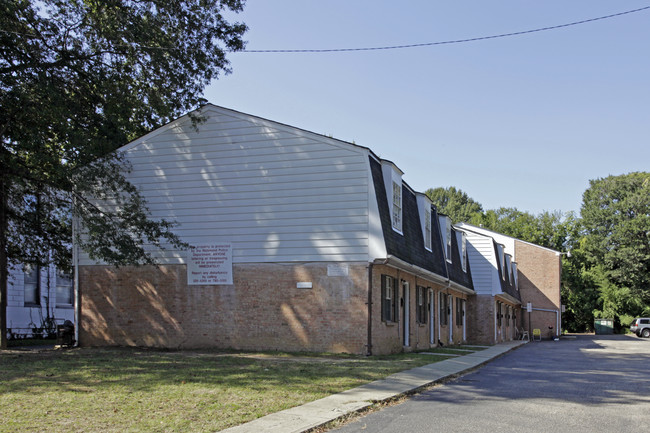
(458,41)
(392,47)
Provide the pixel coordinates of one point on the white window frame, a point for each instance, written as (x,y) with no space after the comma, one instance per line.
(33,272)
(463,254)
(448,239)
(393,185)
(396,211)
(64,282)
(427,229)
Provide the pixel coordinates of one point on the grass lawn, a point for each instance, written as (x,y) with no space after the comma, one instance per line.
(134,390)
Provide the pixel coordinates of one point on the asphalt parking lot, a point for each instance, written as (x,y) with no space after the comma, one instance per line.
(585,383)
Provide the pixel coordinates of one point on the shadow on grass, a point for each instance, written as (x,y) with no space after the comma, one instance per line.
(85,370)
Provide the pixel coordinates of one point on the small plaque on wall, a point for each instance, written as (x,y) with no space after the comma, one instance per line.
(338,270)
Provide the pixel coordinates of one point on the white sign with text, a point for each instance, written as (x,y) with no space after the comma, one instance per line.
(209,264)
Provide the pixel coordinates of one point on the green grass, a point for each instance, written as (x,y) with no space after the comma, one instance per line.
(132,390)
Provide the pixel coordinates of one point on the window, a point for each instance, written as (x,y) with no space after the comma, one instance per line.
(64,289)
(463,253)
(421,305)
(448,240)
(499,315)
(393,184)
(397,206)
(502,261)
(427,229)
(32,285)
(509,268)
(459,311)
(389,297)
(444,309)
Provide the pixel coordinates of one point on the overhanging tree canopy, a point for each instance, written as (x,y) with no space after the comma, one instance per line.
(77,80)
(616,216)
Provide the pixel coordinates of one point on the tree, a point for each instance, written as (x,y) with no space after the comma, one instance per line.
(616,217)
(78,79)
(548,229)
(454,203)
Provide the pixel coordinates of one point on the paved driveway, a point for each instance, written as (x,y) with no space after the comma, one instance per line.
(586,384)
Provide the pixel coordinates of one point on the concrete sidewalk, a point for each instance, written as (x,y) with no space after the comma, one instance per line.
(317,413)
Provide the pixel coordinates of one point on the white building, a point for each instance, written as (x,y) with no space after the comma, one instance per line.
(38,297)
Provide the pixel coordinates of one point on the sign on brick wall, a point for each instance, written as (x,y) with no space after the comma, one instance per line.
(209,264)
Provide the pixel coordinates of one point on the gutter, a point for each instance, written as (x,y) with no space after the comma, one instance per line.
(77,297)
(506,297)
(369,344)
(416,270)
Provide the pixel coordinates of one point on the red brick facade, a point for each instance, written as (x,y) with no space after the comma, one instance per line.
(485,326)
(262,310)
(540,272)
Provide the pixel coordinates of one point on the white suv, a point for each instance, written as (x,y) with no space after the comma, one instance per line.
(641,327)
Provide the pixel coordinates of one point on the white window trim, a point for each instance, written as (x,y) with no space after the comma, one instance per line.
(448,243)
(463,254)
(393,176)
(397,204)
(426,220)
(427,229)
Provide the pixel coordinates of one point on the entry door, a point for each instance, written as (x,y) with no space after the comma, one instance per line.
(406,313)
(432,309)
(464,313)
(450,304)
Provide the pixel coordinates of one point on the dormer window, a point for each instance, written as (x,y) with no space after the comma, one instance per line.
(509,268)
(502,261)
(445,229)
(514,274)
(448,239)
(393,184)
(397,206)
(427,230)
(424,210)
(463,252)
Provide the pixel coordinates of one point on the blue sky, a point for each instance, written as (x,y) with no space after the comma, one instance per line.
(523,121)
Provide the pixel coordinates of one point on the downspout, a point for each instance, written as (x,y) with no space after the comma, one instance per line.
(77,297)
(369,345)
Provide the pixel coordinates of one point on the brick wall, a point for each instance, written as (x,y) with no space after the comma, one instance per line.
(539,273)
(263,309)
(388,337)
(483,320)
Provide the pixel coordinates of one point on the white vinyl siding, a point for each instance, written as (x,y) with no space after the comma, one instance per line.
(480,251)
(277,193)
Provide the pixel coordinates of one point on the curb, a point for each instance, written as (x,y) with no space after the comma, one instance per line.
(325,411)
